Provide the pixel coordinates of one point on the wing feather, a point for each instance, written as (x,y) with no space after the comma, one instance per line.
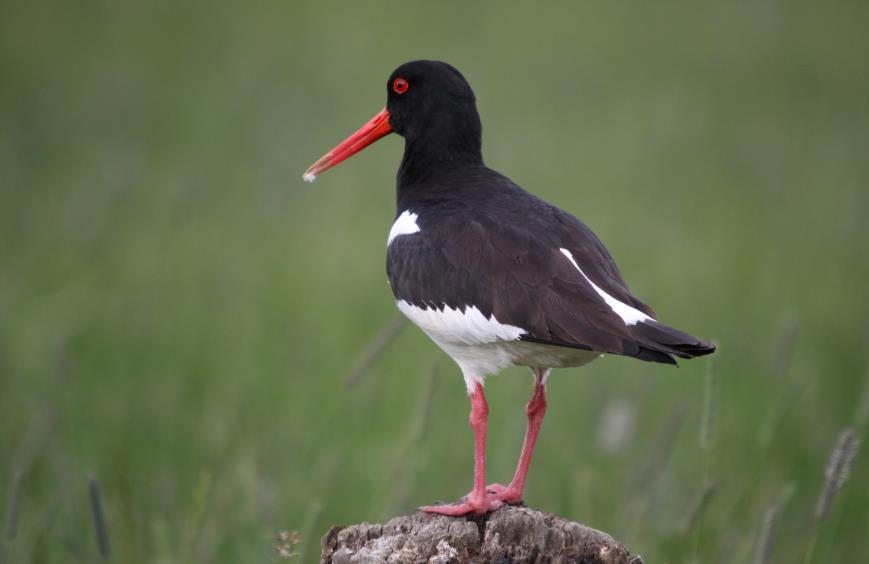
(511,266)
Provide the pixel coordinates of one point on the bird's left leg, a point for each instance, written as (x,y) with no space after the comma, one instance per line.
(535,409)
(479,500)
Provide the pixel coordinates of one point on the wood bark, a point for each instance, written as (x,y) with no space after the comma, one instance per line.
(510,535)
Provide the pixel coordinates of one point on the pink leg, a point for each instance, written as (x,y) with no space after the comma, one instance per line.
(535,409)
(478,501)
(479,421)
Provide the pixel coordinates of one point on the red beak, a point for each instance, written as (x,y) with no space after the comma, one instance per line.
(376,128)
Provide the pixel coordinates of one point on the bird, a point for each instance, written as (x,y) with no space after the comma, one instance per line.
(494,275)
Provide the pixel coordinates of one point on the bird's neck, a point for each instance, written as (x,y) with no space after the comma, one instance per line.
(437,152)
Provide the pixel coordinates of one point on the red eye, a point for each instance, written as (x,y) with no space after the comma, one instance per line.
(400,85)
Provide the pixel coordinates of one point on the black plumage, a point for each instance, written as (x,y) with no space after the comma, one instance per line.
(486,242)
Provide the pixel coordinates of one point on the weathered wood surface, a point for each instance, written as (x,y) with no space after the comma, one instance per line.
(511,535)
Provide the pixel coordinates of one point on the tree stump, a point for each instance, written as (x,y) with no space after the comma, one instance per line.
(509,535)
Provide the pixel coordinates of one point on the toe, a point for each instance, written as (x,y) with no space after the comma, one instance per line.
(496,489)
(490,502)
(510,495)
(452,510)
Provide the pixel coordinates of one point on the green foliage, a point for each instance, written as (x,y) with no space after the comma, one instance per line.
(178,311)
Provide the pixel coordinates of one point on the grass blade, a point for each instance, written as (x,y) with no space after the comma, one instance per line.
(837,471)
(836,474)
(698,509)
(709,423)
(102,534)
(784,348)
(374,349)
(13,505)
(662,450)
(765,536)
(861,412)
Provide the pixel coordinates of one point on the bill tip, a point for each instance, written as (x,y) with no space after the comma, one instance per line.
(309,177)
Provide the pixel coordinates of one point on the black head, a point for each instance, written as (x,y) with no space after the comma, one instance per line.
(426,95)
(432,106)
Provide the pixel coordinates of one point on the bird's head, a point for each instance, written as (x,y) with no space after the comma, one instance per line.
(428,103)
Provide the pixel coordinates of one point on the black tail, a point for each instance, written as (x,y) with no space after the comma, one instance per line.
(656,342)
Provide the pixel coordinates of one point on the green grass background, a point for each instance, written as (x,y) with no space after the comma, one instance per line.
(178,311)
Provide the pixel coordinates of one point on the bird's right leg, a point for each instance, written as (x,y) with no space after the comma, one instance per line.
(535,411)
(478,500)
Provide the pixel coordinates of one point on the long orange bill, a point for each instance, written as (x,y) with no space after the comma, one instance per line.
(376,128)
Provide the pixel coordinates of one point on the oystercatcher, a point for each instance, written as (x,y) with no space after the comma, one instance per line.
(492,274)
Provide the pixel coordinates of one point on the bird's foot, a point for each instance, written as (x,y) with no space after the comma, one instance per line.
(507,494)
(466,506)
(496,496)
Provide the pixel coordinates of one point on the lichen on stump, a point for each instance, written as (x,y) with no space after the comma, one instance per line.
(510,535)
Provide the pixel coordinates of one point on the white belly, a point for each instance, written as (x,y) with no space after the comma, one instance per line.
(483,346)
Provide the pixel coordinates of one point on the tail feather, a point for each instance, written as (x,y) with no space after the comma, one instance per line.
(653,337)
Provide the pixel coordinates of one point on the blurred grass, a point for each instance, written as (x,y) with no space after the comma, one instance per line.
(177,310)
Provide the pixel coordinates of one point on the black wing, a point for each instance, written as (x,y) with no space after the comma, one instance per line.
(513,268)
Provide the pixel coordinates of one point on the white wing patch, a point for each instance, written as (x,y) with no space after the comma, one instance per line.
(454,326)
(630,315)
(405,224)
